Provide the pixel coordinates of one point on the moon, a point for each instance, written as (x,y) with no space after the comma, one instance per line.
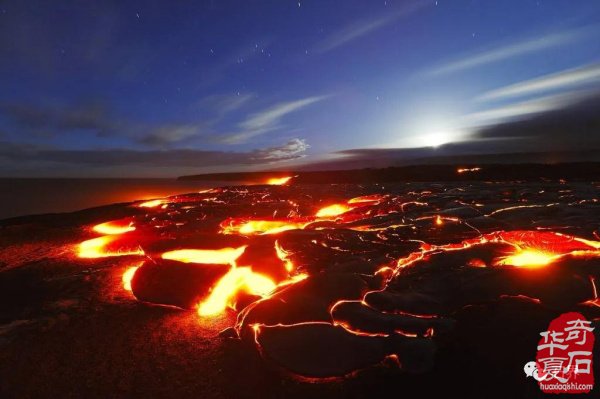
(435,139)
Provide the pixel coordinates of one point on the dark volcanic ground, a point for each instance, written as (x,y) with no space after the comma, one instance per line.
(407,290)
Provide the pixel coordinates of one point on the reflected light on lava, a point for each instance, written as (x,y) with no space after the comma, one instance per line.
(527,258)
(332,210)
(114,227)
(96,248)
(223,256)
(236,280)
(279,181)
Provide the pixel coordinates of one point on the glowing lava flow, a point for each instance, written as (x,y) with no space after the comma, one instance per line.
(128,276)
(527,258)
(351,289)
(284,256)
(333,210)
(97,248)
(465,170)
(235,281)
(531,248)
(244,279)
(279,181)
(100,247)
(114,227)
(370,199)
(151,203)
(223,256)
(253,227)
(264,227)
(240,279)
(535,249)
(595,301)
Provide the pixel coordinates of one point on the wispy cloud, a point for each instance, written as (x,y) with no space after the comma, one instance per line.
(366,26)
(510,51)
(24,153)
(165,135)
(561,80)
(271,116)
(54,117)
(293,149)
(99,119)
(570,122)
(223,104)
(213,109)
(267,120)
(526,108)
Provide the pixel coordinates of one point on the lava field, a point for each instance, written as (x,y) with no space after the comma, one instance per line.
(297,290)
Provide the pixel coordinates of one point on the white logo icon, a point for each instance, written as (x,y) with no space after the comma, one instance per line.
(531,370)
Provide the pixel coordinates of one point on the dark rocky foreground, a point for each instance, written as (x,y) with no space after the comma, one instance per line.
(406,290)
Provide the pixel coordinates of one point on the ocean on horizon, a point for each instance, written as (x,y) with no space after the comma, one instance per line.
(32,196)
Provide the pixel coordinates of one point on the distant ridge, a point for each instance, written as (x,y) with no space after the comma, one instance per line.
(587,171)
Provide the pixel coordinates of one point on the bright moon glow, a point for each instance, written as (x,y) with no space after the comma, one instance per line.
(435,139)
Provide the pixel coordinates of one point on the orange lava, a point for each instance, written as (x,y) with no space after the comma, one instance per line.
(240,279)
(223,256)
(265,268)
(279,181)
(367,199)
(477,263)
(529,249)
(527,258)
(465,170)
(114,227)
(97,248)
(254,227)
(333,210)
(246,226)
(283,255)
(128,276)
(151,204)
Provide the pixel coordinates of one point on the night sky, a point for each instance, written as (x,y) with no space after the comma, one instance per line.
(143,88)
